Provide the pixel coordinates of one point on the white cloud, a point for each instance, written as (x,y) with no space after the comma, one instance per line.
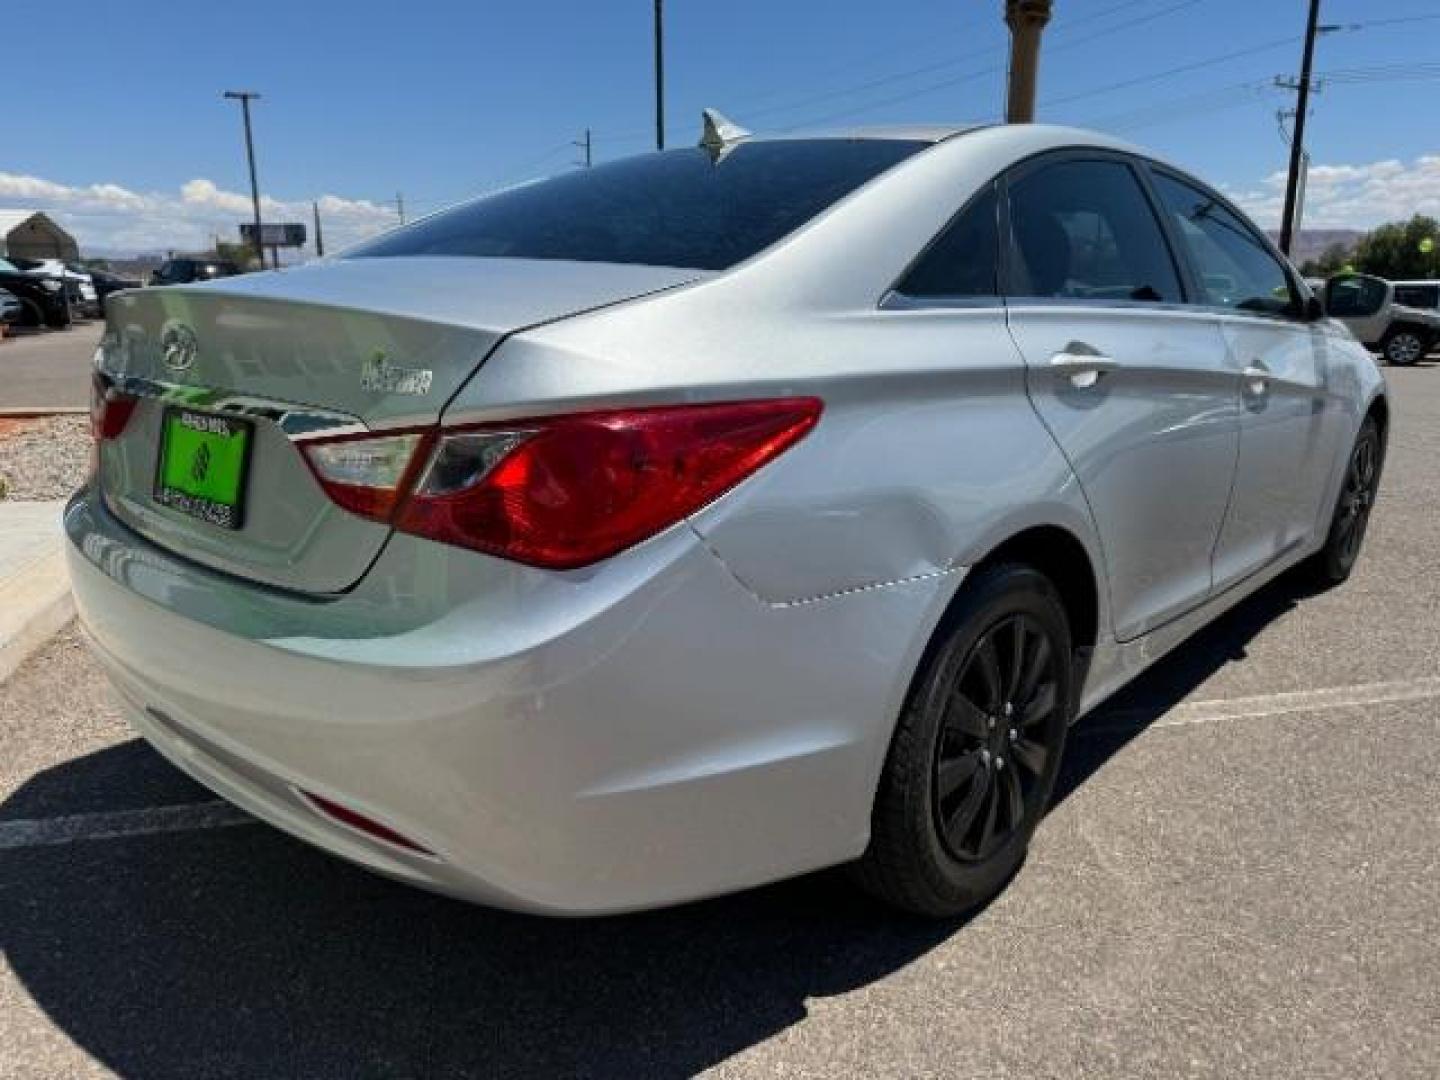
(109,217)
(1352,196)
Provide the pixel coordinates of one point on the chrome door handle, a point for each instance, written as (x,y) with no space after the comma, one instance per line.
(1082,366)
(1257,379)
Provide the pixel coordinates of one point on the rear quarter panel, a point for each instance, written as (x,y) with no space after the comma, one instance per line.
(929,452)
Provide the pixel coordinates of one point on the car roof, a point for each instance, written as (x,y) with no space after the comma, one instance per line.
(931,133)
(1033,137)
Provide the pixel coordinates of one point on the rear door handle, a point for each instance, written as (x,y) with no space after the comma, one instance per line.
(1082,365)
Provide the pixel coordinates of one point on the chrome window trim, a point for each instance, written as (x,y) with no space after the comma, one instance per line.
(894,300)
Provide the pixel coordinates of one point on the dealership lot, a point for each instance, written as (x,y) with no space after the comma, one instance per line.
(1239,879)
(48,368)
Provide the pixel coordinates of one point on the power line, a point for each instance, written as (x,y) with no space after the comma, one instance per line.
(1183,69)
(982,72)
(1219,97)
(746,114)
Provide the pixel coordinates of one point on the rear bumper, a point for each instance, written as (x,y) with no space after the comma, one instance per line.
(640,734)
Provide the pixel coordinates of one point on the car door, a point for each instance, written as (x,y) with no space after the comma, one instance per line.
(1291,416)
(1133,384)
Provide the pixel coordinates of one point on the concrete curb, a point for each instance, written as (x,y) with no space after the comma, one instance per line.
(35,599)
(39,412)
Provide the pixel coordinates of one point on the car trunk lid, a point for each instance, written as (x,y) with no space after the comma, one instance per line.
(333,347)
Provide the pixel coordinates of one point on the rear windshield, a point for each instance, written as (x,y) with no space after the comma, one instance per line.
(677,208)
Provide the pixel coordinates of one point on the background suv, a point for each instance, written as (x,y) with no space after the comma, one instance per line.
(1371,307)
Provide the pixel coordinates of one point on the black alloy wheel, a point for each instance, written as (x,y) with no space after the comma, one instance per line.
(993,752)
(1358,491)
(976,752)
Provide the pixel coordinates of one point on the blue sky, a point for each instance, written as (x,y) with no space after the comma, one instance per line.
(129,140)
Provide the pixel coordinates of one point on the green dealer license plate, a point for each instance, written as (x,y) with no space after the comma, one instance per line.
(202,466)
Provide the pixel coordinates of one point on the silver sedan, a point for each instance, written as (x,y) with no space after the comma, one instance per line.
(711,516)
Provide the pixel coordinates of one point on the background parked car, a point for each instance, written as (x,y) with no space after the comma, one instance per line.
(42,296)
(11,310)
(1368,306)
(185,271)
(107,283)
(81,289)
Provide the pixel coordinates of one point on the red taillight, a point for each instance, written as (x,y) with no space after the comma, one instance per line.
(564,492)
(109,409)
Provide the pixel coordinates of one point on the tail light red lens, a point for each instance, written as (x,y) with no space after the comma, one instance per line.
(110,410)
(356,820)
(565,492)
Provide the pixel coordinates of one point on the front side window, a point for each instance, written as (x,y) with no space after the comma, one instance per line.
(681,208)
(1356,297)
(1235,268)
(1084,230)
(962,261)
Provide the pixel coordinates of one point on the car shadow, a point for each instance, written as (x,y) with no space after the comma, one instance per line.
(239,952)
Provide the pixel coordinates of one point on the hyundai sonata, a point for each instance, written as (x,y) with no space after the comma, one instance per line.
(711,516)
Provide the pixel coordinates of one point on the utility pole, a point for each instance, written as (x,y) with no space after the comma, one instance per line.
(319,237)
(1026,19)
(400,206)
(244,97)
(659,74)
(1297,143)
(584,144)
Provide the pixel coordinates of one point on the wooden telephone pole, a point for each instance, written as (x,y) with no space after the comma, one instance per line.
(1026,19)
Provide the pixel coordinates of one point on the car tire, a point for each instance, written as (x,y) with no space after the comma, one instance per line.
(1333,563)
(1403,347)
(976,749)
(31,315)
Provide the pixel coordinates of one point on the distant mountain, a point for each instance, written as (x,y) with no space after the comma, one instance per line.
(1311,243)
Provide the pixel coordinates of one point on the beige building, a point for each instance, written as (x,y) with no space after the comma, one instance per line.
(29,234)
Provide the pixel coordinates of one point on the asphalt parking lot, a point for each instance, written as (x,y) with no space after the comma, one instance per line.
(48,368)
(1240,878)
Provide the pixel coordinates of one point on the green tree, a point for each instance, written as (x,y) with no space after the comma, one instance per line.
(1401,249)
(242,255)
(1329,263)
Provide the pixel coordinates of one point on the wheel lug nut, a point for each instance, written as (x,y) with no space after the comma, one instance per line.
(1014,735)
(1009,709)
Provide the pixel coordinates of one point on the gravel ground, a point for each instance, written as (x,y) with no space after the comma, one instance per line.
(43,459)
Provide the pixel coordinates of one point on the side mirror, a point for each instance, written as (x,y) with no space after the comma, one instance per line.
(1314,309)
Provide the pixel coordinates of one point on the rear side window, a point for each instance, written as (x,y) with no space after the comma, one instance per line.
(1236,269)
(1085,230)
(962,262)
(679,208)
(1421,296)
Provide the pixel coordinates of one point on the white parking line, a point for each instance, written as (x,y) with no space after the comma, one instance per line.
(27,833)
(217,814)
(1248,708)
